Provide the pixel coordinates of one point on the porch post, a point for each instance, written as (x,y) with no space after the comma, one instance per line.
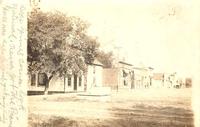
(65,80)
(77,83)
(72,82)
(82,82)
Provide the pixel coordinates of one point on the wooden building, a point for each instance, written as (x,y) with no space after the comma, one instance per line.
(69,83)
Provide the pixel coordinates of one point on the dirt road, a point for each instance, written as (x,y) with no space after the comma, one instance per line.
(137,108)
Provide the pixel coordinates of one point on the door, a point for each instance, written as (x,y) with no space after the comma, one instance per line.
(75,82)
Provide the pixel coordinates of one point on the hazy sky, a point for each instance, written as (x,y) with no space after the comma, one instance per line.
(162,34)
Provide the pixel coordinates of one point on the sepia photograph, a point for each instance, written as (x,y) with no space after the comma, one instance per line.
(103,63)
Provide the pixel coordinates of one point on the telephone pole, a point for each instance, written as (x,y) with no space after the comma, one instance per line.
(118,67)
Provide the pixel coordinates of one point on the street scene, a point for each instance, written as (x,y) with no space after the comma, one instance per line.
(108,64)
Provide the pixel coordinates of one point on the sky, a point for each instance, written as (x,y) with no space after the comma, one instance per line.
(161,34)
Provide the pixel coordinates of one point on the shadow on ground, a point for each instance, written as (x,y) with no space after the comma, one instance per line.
(137,116)
(150,116)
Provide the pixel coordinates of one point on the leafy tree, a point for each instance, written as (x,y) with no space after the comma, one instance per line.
(105,58)
(53,40)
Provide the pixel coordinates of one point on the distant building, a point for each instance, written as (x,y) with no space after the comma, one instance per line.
(142,77)
(166,80)
(158,80)
(127,76)
(188,82)
(119,77)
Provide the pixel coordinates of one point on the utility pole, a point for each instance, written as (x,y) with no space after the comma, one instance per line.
(118,67)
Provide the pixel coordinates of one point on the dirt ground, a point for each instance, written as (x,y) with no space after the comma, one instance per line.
(136,108)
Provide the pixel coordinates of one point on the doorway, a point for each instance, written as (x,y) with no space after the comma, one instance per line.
(75,82)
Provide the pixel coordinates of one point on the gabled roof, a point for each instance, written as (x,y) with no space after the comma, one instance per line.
(122,62)
(151,68)
(140,68)
(96,62)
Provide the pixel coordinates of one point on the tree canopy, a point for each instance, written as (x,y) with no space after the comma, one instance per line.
(53,40)
(58,44)
(105,58)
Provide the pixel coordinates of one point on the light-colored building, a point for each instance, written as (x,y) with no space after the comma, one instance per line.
(166,80)
(142,77)
(94,75)
(72,83)
(69,83)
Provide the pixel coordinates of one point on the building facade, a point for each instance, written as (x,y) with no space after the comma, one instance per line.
(166,80)
(94,75)
(119,77)
(68,83)
(142,77)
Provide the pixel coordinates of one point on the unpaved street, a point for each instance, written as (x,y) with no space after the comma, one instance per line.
(137,108)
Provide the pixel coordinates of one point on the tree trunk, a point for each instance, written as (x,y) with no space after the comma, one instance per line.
(46,90)
(85,80)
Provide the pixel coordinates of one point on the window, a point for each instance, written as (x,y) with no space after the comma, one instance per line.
(42,79)
(80,81)
(33,79)
(69,80)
